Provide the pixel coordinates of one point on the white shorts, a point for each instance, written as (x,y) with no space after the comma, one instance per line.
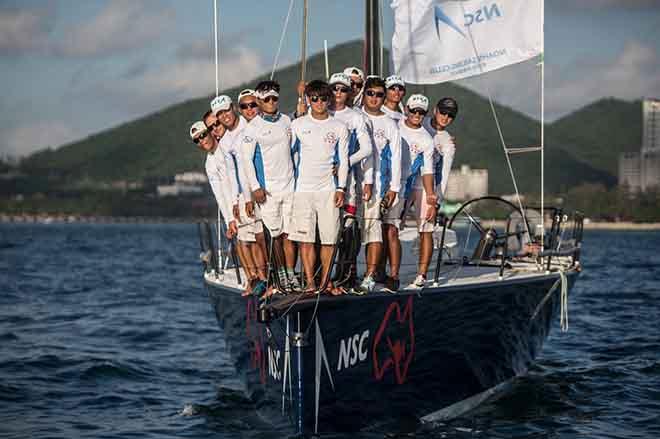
(372,230)
(420,209)
(248,227)
(276,212)
(311,209)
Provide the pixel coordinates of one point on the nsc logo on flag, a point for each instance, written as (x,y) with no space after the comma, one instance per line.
(445,40)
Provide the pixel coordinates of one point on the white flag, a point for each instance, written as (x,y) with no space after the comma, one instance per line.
(445,40)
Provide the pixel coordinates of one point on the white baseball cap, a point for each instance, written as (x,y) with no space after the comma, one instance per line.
(264,94)
(197,127)
(340,78)
(394,80)
(354,71)
(246,92)
(220,103)
(418,101)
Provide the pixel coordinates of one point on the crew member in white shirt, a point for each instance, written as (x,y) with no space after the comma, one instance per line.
(247,104)
(357,85)
(266,158)
(395,90)
(444,114)
(250,231)
(382,230)
(419,189)
(319,142)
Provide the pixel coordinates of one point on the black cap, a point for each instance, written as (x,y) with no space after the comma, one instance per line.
(449,105)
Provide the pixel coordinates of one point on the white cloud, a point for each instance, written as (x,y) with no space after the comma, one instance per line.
(632,74)
(121,25)
(24,139)
(23,29)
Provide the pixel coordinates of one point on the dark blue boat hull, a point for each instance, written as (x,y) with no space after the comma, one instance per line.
(387,356)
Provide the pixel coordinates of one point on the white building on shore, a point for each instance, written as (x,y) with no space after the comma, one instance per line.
(466,183)
(640,171)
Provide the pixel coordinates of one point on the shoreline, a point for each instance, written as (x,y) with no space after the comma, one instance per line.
(93,219)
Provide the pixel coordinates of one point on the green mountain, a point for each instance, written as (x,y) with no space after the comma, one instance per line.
(158,145)
(598,133)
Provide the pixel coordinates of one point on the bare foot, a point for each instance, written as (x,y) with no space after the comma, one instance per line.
(248,288)
(269,292)
(334,291)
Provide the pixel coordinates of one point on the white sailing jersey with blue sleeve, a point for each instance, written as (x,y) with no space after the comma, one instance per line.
(230,143)
(386,155)
(220,178)
(266,153)
(316,147)
(416,157)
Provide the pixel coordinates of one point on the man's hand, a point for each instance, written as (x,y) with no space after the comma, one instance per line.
(236,211)
(232,230)
(339,199)
(432,200)
(259,195)
(389,198)
(366,191)
(301,107)
(335,168)
(430,213)
(249,209)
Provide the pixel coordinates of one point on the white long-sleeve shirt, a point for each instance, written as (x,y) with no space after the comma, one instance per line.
(417,156)
(445,149)
(360,148)
(386,155)
(220,177)
(316,145)
(230,143)
(396,115)
(266,154)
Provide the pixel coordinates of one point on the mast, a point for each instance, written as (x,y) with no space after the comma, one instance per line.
(303,48)
(372,43)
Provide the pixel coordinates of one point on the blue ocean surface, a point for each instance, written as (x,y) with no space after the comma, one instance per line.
(106,331)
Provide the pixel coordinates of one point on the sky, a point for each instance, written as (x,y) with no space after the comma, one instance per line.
(70,68)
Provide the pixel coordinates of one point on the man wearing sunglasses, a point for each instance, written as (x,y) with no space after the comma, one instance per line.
(419,192)
(247,104)
(381,212)
(360,149)
(395,91)
(444,114)
(266,157)
(357,84)
(217,173)
(319,142)
(250,230)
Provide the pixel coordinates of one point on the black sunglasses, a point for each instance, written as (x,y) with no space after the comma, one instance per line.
(397,88)
(371,93)
(201,136)
(446,113)
(418,111)
(249,105)
(316,98)
(340,89)
(213,125)
(267,99)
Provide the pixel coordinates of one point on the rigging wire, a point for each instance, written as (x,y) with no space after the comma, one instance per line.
(215,32)
(279,48)
(499,129)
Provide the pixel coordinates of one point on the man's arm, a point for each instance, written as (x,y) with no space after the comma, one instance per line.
(219,192)
(448,152)
(342,146)
(364,140)
(247,148)
(395,149)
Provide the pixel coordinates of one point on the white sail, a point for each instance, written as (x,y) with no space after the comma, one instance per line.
(436,41)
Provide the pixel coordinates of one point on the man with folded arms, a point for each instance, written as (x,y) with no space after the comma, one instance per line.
(444,114)
(266,158)
(381,228)
(318,142)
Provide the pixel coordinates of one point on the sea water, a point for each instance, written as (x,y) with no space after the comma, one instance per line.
(106,332)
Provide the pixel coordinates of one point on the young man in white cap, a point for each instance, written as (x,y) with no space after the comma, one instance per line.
(395,90)
(250,231)
(266,157)
(444,114)
(419,192)
(357,84)
(318,142)
(247,104)
(360,148)
(217,173)
(382,211)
